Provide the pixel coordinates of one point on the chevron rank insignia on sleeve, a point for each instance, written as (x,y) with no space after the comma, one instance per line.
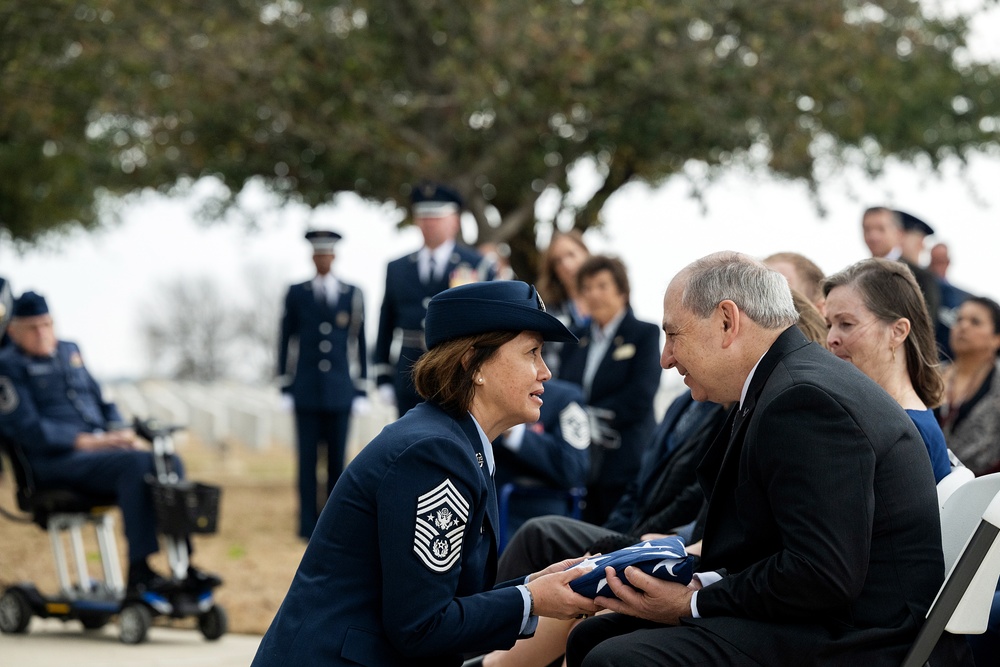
(442,514)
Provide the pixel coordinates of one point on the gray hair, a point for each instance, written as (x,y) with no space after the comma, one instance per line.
(762,294)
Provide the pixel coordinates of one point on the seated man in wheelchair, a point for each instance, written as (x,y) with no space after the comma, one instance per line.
(52,408)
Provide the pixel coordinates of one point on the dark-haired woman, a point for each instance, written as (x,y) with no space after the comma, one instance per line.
(970,413)
(401,568)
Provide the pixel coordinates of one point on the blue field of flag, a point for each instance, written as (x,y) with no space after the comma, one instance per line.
(664,558)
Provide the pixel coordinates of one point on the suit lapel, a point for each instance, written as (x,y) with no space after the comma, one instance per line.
(718,471)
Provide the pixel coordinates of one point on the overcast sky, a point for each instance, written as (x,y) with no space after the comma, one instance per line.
(98,283)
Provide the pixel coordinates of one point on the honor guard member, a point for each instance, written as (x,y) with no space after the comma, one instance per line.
(553,454)
(401,570)
(322,367)
(410,283)
(72,438)
(899,235)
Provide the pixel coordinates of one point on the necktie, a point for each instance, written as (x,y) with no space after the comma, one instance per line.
(320,292)
(431,270)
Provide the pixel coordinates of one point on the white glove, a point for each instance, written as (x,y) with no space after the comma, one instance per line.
(601,432)
(387,394)
(287,402)
(360,406)
(514,437)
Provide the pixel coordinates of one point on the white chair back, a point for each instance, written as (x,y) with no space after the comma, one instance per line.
(962,605)
(962,511)
(973,612)
(947,486)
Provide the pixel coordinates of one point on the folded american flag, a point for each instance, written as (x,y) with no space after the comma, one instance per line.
(664,558)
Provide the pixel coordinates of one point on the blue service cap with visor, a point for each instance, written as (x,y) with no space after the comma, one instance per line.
(499,305)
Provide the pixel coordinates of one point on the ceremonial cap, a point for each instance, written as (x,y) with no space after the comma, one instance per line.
(499,305)
(30,304)
(912,223)
(323,240)
(431,200)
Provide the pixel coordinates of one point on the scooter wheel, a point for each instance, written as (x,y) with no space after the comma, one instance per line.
(15,612)
(133,622)
(213,623)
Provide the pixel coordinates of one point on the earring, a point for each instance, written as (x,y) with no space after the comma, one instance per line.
(893,353)
(479,380)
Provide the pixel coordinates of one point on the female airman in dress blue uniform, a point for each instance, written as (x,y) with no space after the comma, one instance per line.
(401,567)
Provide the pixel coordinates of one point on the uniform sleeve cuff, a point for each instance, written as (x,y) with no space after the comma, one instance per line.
(528,622)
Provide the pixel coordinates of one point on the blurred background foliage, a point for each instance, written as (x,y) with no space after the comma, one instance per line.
(100,98)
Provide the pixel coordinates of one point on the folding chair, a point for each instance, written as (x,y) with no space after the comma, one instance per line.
(950,483)
(970,525)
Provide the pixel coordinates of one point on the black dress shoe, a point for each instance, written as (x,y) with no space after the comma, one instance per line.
(149,583)
(203,579)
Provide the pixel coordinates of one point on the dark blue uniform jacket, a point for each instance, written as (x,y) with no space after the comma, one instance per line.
(401,567)
(53,400)
(555,449)
(322,352)
(404,308)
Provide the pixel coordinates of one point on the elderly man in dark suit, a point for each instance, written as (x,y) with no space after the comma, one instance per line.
(411,281)
(822,541)
(322,364)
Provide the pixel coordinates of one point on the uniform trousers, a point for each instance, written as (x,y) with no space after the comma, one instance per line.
(614,640)
(117,472)
(313,427)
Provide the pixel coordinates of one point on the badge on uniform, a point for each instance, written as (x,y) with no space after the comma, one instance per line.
(575,426)
(75,360)
(463,275)
(343,319)
(626,351)
(8,396)
(442,514)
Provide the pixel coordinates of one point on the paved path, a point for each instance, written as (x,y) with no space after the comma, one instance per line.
(52,643)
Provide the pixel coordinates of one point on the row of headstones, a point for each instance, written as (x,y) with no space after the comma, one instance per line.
(254,416)
(229,413)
